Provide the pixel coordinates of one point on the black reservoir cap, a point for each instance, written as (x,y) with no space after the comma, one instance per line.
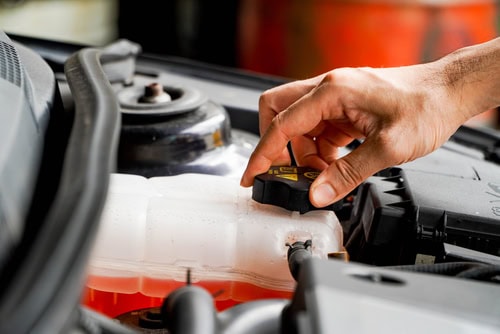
(288,187)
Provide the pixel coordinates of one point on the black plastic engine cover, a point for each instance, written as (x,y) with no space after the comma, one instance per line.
(406,217)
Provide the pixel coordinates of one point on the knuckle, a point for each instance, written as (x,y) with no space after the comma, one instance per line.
(277,121)
(329,77)
(278,126)
(265,98)
(350,175)
(340,73)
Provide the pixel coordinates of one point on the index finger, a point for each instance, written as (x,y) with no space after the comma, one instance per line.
(299,119)
(277,99)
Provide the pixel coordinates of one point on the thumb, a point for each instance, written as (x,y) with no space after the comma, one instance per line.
(346,173)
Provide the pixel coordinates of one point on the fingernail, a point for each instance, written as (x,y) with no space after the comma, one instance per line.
(323,194)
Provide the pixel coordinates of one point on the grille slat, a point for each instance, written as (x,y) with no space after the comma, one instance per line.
(10,65)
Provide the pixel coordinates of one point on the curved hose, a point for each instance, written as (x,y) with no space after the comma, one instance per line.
(47,288)
(470,270)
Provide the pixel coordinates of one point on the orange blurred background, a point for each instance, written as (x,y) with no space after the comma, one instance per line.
(289,38)
(299,39)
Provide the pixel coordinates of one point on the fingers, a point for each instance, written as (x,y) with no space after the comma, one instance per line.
(379,105)
(306,151)
(321,148)
(277,99)
(271,149)
(345,174)
(300,118)
(261,163)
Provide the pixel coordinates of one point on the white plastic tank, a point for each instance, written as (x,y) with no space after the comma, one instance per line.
(153,230)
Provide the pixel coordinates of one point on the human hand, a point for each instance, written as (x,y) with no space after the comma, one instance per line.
(399,113)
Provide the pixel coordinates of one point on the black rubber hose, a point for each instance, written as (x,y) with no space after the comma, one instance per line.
(258,316)
(189,310)
(53,272)
(297,253)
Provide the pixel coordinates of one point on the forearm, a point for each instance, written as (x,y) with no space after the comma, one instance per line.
(472,75)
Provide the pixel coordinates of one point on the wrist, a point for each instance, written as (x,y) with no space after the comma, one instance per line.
(471,76)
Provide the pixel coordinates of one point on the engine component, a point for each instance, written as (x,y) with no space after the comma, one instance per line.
(288,187)
(407,216)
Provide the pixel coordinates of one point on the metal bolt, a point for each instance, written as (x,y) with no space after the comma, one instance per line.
(154,93)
